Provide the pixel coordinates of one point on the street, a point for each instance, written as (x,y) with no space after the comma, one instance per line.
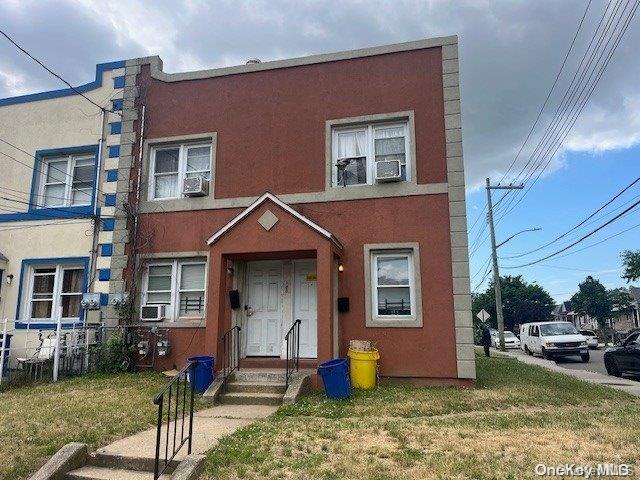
(595,364)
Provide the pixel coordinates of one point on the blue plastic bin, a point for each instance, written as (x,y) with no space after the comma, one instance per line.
(203,372)
(335,376)
(6,353)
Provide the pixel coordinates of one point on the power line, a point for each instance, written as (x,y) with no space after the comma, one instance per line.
(584,221)
(584,237)
(555,82)
(562,132)
(55,74)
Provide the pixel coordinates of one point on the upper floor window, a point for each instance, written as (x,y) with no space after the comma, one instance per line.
(370,153)
(55,292)
(170,165)
(180,284)
(67,181)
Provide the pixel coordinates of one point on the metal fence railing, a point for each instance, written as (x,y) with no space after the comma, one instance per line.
(35,354)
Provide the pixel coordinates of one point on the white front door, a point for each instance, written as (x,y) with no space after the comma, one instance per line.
(264,308)
(305,306)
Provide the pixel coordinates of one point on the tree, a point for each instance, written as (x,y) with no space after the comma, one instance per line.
(592,299)
(631,262)
(620,299)
(522,302)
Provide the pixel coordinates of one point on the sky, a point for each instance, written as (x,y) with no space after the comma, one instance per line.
(510,54)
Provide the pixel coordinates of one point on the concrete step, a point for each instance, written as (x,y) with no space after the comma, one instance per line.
(110,460)
(243,398)
(256,387)
(259,375)
(103,473)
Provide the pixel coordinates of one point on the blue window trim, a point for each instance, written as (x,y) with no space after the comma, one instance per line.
(118,82)
(35,212)
(115,128)
(66,92)
(30,262)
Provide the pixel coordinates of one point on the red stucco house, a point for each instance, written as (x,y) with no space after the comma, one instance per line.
(327,188)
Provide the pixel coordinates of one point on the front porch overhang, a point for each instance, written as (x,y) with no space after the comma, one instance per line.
(270,197)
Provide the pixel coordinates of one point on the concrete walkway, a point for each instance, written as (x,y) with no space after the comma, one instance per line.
(208,427)
(629,386)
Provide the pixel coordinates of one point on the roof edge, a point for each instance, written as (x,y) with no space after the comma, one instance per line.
(156,63)
(259,201)
(65,92)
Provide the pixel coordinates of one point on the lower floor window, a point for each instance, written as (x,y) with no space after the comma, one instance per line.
(393,284)
(55,292)
(180,284)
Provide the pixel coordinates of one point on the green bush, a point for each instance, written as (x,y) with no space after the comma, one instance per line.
(114,355)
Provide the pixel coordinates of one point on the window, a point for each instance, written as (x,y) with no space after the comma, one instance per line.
(357,150)
(55,292)
(67,181)
(177,283)
(170,165)
(392,283)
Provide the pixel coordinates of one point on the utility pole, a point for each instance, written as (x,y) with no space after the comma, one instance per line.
(494,255)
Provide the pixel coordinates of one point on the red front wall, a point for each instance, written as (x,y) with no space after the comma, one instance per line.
(271,136)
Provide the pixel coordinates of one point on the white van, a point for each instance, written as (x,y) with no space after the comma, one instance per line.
(553,339)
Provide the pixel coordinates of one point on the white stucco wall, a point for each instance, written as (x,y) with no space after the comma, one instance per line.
(68,121)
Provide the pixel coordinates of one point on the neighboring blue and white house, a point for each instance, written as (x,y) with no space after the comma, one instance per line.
(59,160)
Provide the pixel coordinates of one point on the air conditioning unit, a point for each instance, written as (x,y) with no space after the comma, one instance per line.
(153,313)
(388,171)
(195,187)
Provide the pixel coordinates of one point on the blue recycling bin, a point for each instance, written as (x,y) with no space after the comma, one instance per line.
(6,353)
(335,377)
(203,371)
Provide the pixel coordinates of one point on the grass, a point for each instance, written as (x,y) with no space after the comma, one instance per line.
(517,417)
(94,409)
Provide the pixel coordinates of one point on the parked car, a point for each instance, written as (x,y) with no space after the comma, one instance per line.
(592,339)
(510,340)
(553,340)
(625,357)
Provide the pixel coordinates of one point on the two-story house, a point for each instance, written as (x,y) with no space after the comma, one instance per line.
(328,189)
(59,160)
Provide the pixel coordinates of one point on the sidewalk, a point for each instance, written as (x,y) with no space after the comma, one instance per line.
(623,384)
(208,427)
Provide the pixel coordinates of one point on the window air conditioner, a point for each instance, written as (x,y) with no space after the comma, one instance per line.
(388,171)
(153,313)
(195,187)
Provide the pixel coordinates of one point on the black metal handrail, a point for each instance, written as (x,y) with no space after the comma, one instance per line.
(182,412)
(292,339)
(230,351)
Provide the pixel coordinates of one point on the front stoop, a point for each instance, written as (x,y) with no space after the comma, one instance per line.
(105,466)
(258,387)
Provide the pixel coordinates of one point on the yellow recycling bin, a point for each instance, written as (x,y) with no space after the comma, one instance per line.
(363,368)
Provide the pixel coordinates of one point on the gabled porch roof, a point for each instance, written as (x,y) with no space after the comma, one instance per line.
(266,197)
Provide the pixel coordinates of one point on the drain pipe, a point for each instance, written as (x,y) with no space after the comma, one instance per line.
(134,249)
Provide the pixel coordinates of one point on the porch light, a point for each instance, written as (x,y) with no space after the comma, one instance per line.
(9,279)
(340,267)
(230,270)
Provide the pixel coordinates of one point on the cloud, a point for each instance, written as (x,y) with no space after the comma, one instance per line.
(510,53)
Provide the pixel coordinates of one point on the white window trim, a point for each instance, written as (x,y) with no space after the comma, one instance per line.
(173,314)
(372,319)
(67,200)
(182,166)
(369,129)
(56,307)
(375,255)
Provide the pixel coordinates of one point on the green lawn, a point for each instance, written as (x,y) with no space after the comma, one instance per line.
(94,409)
(517,417)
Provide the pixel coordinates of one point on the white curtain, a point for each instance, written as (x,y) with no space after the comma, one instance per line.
(352,144)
